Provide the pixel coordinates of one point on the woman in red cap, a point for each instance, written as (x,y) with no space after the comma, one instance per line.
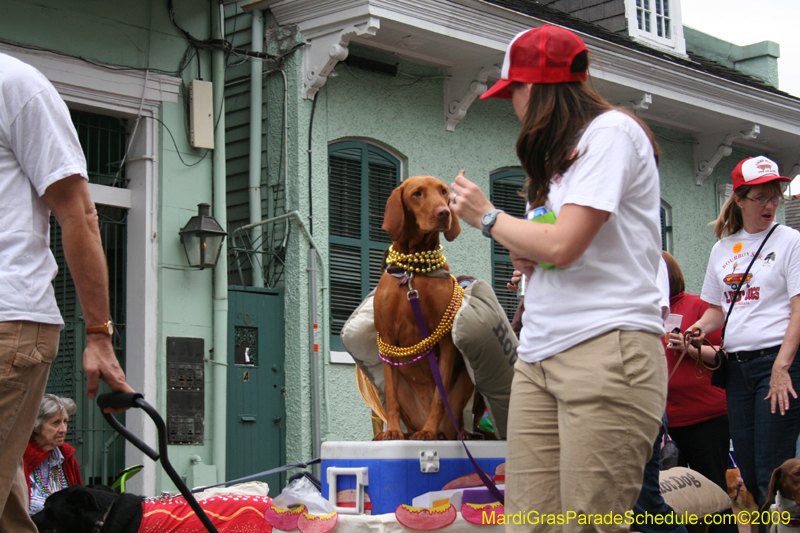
(762,333)
(589,388)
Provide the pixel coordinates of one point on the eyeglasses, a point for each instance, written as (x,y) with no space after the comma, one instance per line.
(763,200)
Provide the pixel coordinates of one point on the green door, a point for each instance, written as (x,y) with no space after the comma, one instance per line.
(256,410)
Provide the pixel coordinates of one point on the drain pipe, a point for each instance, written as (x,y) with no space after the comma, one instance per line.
(256,100)
(220,320)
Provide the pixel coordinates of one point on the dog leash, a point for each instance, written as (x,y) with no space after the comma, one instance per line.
(260,474)
(413,298)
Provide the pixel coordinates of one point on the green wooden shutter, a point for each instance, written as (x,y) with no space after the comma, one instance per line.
(361,179)
(504,189)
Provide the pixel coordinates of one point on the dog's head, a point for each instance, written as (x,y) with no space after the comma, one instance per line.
(786,481)
(421,203)
(75,509)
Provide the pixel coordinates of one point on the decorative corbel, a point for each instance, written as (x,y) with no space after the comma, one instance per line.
(467,85)
(641,101)
(323,51)
(707,146)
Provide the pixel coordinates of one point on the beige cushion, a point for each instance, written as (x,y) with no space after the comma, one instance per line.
(687,491)
(482,333)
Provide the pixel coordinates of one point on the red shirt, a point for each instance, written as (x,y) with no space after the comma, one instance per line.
(691,400)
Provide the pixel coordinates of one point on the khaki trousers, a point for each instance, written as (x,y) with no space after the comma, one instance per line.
(581,429)
(26,351)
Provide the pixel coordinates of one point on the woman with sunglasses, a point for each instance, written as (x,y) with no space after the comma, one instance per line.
(589,385)
(763,331)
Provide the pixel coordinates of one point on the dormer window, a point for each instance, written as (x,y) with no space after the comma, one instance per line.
(657,23)
(654,21)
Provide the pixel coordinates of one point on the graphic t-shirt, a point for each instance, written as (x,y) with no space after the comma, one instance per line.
(761,314)
(612,286)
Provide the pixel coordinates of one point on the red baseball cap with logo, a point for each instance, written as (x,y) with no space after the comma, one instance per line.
(540,55)
(755,171)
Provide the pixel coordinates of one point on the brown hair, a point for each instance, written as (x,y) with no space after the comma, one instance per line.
(730,218)
(676,282)
(556,113)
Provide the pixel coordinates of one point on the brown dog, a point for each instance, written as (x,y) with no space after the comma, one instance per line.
(416,213)
(738,493)
(784,486)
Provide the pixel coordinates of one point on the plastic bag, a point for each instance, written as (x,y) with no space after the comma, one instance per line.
(302,491)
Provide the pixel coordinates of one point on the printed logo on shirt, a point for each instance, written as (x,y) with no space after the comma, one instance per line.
(737,247)
(769,261)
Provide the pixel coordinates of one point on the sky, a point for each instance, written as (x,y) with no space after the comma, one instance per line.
(741,22)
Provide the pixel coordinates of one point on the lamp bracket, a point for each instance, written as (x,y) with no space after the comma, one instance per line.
(461,90)
(708,152)
(325,49)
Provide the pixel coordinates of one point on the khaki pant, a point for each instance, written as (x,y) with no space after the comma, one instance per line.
(26,351)
(581,429)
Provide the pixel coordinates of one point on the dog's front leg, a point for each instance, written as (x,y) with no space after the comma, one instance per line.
(447,359)
(391,377)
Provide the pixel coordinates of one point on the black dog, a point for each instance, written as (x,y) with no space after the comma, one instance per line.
(80,509)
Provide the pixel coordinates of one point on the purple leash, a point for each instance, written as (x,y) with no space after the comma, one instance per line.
(423,329)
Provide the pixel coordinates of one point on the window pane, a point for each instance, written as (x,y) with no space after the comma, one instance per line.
(667,29)
(345,274)
(666,7)
(502,274)
(344,196)
(659,25)
(382,181)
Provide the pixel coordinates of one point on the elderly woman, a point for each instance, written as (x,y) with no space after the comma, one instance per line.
(50,463)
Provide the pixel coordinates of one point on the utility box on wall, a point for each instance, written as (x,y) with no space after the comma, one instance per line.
(185,390)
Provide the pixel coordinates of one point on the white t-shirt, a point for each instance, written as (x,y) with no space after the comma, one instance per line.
(761,314)
(612,286)
(38,146)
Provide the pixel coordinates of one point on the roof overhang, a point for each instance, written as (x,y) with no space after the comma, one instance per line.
(467,39)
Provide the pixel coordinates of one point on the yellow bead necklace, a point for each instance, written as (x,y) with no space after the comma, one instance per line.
(445,325)
(435,259)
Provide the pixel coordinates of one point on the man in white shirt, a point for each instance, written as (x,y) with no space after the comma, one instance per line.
(42,169)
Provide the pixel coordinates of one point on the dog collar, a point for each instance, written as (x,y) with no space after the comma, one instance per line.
(100,524)
(424,261)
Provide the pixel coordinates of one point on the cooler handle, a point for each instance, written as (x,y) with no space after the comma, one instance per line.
(362,480)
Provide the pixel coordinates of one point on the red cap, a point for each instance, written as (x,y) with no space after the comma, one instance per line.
(755,171)
(540,55)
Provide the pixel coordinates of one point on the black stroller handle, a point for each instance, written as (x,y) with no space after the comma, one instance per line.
(122,400)
(119,400)
(128,399)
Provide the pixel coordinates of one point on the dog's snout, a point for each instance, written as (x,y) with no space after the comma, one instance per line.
(442,211)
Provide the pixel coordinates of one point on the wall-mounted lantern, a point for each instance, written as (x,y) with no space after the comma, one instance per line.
(202,238)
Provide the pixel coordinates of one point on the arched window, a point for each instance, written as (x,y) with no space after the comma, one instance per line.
(361,177)
(504,186)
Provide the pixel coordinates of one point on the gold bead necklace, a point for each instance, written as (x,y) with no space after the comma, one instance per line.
(435,259)
(445,325)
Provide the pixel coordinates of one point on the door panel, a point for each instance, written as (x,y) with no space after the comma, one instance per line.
(256,409)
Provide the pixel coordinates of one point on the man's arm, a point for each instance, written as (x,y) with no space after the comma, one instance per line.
(72,205)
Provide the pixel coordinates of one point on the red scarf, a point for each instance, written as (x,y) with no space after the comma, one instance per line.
(35,456)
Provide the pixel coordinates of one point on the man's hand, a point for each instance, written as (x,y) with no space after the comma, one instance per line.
(100,363)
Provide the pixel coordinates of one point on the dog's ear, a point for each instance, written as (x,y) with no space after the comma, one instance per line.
(394,217)
(84,499)
(455,227)
(774,483)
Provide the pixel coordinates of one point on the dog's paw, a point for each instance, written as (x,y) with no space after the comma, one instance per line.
(390,434)
(424,435)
